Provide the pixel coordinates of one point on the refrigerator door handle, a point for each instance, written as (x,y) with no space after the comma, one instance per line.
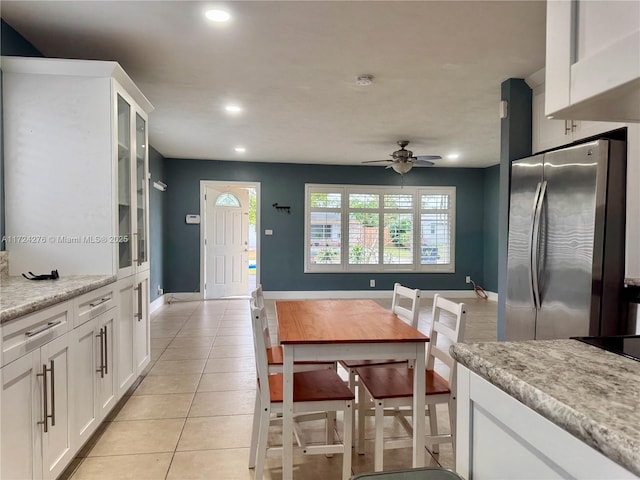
(535,245)
(536,198)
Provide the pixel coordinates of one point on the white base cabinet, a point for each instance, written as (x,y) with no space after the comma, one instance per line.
(498,437)
(133,335)
(36,418)
(94,378)
(70,378)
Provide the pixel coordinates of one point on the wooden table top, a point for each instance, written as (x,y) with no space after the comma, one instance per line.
(341,321)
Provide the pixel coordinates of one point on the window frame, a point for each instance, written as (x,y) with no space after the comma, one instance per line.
(416,210)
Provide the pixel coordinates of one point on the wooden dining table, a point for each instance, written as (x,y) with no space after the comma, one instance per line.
(321,330)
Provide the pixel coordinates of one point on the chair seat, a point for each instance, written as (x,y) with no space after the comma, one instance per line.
(276,357)
(370,363)
(397,382)
(314,386)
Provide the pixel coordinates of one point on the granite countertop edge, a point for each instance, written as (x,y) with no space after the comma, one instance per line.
(22,297)
(611,444)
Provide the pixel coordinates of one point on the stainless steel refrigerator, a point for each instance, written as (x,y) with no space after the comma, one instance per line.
(565,267)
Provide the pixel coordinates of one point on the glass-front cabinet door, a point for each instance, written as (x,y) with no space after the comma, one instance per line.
(125,200)
(142,196)
(133,190)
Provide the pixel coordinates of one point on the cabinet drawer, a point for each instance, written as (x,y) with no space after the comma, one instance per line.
(28,333)
(93,303)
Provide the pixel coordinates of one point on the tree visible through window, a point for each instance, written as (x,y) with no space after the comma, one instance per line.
(387,228)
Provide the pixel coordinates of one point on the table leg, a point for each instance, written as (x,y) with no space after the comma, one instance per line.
(419,406)
(287,414)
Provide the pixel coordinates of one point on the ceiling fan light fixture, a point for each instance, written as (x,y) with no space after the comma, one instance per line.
(402,167)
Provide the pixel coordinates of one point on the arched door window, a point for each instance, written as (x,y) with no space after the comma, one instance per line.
(227,200)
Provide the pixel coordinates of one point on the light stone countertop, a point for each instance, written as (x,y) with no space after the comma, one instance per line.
(632,281)
(591,393)
(19,296)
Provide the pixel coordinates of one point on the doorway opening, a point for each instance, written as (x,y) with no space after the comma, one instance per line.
(229,242)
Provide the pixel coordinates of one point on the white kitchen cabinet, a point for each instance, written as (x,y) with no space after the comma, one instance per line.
(94,385)
(552,133)
(132,332)
(36,434)
(142,334)
(593,60)
(499,437)
(76,167)
(125,328)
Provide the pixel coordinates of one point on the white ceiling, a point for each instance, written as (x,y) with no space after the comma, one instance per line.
(292,65)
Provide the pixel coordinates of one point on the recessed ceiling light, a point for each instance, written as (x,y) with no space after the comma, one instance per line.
(233,108)
(240,149)
(453,156)
(217,15)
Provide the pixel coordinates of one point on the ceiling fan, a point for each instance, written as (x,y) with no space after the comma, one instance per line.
(403,160)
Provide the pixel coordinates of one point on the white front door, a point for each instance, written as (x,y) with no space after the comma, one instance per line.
(226,241)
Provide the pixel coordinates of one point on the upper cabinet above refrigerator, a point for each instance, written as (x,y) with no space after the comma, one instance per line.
(593,60)
(76,167)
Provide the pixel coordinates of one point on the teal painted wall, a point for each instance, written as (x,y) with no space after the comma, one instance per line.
(157,207)
(282,254)
(491,227)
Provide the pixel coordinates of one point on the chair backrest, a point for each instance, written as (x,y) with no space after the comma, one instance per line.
(258,296)
(257,300)
(262,367)
(406,304)
(451,327)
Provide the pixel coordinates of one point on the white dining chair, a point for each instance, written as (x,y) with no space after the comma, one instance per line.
(406,305)
(275,357)
(392,387)
(313,391)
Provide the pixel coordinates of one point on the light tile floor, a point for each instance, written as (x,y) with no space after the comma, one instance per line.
(190,416)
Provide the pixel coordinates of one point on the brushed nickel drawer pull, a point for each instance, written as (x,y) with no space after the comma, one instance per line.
(102,300)
(33,333)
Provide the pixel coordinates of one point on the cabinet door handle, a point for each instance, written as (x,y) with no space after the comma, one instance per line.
(33,333)
(102,300)
(139,247)
(45,396)
(567,127)
(53,394)
(45,404)
(101,369)
(106,352)
(139,314)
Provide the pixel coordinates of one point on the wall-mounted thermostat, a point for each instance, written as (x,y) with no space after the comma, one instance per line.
(193,218)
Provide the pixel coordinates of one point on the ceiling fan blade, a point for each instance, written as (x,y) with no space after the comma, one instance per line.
(428,157)
(375,161)
(424,163)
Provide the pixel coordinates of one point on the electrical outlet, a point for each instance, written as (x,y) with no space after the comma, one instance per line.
(372,283)
(468,279)
(160,291)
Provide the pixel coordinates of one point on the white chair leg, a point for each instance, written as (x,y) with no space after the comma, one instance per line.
(263,438)
(255,431)
(352,387)
(433,425)
(348,431)
(363,406)
(330,426)
(379,440)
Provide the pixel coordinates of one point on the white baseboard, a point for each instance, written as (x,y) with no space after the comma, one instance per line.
(302,295)
(157,303)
